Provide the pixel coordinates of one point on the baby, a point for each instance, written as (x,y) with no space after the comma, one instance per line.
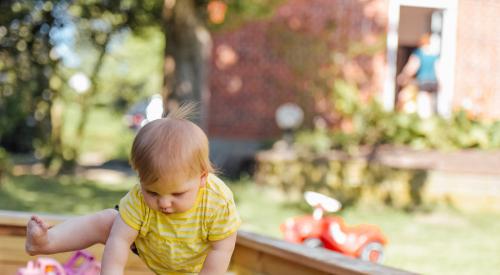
(180,219)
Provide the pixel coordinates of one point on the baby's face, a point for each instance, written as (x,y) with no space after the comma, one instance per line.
(172,198)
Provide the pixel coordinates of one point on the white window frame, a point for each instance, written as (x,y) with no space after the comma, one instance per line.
(447,59)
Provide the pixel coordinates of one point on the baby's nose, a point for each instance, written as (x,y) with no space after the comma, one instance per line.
(164,202)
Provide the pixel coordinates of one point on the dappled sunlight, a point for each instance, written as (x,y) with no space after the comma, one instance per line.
(234,84)
(59,195)
(226,57)
(446,219)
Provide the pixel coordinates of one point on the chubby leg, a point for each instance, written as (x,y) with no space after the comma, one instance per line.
(73,234)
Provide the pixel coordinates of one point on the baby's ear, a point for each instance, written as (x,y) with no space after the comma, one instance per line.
(203,179)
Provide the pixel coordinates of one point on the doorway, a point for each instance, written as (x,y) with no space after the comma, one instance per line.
(408,20)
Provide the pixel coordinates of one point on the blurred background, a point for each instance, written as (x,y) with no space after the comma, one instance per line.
(294,95)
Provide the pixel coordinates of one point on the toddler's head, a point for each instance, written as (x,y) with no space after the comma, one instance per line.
(171,157)
(424,39)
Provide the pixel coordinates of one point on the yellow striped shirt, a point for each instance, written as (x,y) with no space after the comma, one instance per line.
(178,243)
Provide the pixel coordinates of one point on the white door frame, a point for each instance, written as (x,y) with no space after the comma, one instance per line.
(447,59)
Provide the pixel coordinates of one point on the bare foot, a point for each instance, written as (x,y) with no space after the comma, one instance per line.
(36,236)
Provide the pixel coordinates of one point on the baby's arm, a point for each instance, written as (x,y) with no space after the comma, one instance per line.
(117,247)
(218,258)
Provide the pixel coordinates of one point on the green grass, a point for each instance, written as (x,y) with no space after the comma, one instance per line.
(439,242)
(105,132)
(443,241)
(61,195)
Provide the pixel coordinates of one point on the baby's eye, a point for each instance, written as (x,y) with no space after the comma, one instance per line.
(178,194)
(154,194)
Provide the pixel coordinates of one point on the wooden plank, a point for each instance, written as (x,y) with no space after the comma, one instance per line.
(12,251)
(245,258)
(13,223)
(18,218)
(11,268)
(254,254)
(9,230)
(320,260)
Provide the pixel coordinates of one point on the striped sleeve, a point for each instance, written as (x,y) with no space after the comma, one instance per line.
(133,208)
(224,221)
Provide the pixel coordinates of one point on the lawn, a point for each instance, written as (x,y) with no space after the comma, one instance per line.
(443,241)
(105,132)
(61,195)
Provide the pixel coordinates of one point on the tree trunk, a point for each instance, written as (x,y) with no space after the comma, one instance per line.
(86,102)
(187,53)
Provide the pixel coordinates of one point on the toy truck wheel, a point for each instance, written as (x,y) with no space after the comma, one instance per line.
(373,252)
(313,242)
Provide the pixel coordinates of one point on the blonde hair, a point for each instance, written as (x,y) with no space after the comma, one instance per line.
(171,149)
(424,39)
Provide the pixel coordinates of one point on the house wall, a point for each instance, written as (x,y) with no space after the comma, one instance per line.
(477,73)
(254,79)
(253,70)
(261,65)
(250,77)
(248,82)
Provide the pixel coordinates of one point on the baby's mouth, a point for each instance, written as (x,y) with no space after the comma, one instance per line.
(167,210)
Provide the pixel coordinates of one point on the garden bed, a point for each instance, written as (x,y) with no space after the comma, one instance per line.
(399,177)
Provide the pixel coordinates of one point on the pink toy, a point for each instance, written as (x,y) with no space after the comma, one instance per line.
(42,266)
(81,263)
(89,266)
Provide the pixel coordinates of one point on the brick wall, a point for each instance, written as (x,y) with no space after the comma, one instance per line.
(477,74)
(250,77)
(253,80)
(248,82)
